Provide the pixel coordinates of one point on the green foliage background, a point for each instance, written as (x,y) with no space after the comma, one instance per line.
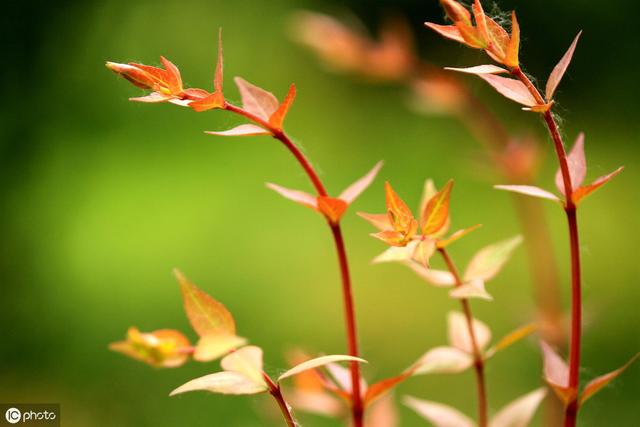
(101,198)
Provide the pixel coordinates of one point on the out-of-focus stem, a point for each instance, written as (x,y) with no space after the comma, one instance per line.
(477,355)
(274,390)
(357,408)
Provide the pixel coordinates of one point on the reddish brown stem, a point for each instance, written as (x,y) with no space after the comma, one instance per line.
(357,407)
(477,354)
(571,411)
(274,390)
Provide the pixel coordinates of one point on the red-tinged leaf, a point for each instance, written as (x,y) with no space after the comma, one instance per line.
(559,70)
(513,48)
(438,414)
(248,362)
(379,221)
(583,192)
(257,100)
(442,360)
(218,77)
(458,331)
(428,191)
(438,278)
(481,21)
(318,362)
(214,100)
(540,108)
(206,315)
(195,94)
(471,36)
(164,348)
(222,383)
(173,75)
(381,387)
(556,373)
(529,190)
(390,237)
(383,413)
(242,130)
(277,118)
(331,208)
(135,75)
(436,213)
(355,189)
(449,31)
(602,381)
(397,253)
(498,41)
(577,166)
(488,262)
(212,347)
(400,215)
(455,11)
(300,197)
(472,289)
(479,69)
(519,412)
(512,89)
(511,338)
(443,243)
(423,251)
(153,97)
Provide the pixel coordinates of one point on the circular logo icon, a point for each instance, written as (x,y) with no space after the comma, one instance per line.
(13,415)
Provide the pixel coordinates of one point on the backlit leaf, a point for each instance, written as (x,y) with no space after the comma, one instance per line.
(443,243)
(488,261)
(242,130)
(301,197)
(423,251)
(257,100)
(400,215)
(381,387)
(438,414)
(556,373)
(448,31)
(472,289)
(577,166)
(206,315)
(390,237)
(560,68)
(246,361)
(458,331)
(277,118)
(481,21)
(223,383)
(519,412)
(212,347)
(211,101)
(510,88)
(513,47)
(397,253)
(602,381)
(436,213)
(512,338)
(479,69)
(440,278)
(528,190)
(442,360)
(331,208)
(318,362)
(380,221)
(429,190)
(355,189)
(164,348)
(584,191)
(499,41)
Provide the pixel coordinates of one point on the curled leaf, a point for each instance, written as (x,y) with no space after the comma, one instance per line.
(602,381)
(438,414)
(559,70)
(164,348)
(423,251)
(459,336)
(318,362)
(400,216)
(513,89)
(519,412)
(436,213)
(529,190)
(206,315)
(489,261)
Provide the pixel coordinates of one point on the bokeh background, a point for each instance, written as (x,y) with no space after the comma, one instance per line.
(101,198)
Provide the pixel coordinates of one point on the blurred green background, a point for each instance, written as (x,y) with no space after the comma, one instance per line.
(101,198)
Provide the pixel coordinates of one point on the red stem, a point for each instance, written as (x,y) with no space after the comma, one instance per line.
(571,410)
(274,390)
(357,407)
(477,355)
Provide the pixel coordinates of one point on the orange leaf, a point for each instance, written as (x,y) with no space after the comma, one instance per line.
(173,75)
(470,35)
(277,118)
(498,41)
(379,221)
(481,21)
(242,130)
(331,208)
(164,348)
(391,237)
(556,373)
(457,236)
(214,100)
(456,12)
(602,381)
(256,100)
(436,213)
(217,79)
(381,387)
(583,192)
(400,215)
(448,31)
(560,69)
(512,338)
(511,59)
(206,315)
(577,166)
(301,197)
(512,89)
(355,189)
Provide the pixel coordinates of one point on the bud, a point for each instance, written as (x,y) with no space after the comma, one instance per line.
(135,75)
(164,348)
(456,12)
